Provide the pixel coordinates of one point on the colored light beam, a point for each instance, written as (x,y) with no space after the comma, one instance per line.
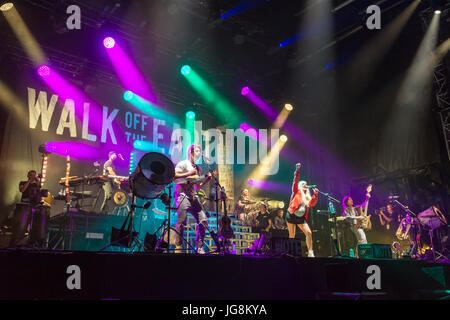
(23,34)
(249,131)
(263,106)
(148,146)
(261,171)
(277,187)
(72,98)
(369,58)
(282,116)
(189,126)
(76,150)
(243,6)
(221,107)
(130,77)
(148,107)
(301,137)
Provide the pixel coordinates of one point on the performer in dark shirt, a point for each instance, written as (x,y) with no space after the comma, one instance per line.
(264,222)
(389,219)
(30,188)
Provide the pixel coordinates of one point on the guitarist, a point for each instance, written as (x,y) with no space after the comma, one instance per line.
(355,217)
(108,169)
(184,196)
(301,201)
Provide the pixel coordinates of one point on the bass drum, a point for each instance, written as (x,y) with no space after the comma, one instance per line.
(153,173)
(120,198)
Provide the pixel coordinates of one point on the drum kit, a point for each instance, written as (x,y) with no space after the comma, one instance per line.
(248,216)
(411,227)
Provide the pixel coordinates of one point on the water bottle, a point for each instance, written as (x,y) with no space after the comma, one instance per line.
(352,253)
(332,210)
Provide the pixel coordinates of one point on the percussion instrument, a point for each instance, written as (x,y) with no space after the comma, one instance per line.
(120,198)
(39,223)
(153,173)
(432,218)
(48,200)
(21,217)
(403,229)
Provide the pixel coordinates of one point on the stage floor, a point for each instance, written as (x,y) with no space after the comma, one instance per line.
(33,274)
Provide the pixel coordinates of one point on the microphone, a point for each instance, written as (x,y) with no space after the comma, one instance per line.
(120,156)
(205,158)
(393,197)
(311,186)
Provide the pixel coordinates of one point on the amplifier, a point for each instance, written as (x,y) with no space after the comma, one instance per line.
(374,251)
(286,245)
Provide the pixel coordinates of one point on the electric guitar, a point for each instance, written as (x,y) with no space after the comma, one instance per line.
(194,179)
(366,224)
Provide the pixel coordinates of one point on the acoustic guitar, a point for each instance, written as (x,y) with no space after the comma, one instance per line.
(225,222)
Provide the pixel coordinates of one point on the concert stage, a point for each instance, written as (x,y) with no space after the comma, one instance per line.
(47,275)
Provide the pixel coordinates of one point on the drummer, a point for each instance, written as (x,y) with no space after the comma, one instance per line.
(243,206)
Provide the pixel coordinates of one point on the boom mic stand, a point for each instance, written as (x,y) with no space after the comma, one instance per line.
(333,212)
(216,200)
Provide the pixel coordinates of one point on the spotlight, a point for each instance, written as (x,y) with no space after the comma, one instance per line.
(44,71)
(6,6)
(190,114)
(250,182)
(283,138)
(128,95)
(185,70)
(109,42)
(288,107)
(437,12)
(245,91)
(281,204)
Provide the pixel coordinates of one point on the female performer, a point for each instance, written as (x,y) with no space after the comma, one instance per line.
(301,201)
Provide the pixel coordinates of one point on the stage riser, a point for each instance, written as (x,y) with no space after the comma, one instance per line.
(33,275)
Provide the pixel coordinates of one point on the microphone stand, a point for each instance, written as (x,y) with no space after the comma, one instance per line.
(216,200)
(333,212)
